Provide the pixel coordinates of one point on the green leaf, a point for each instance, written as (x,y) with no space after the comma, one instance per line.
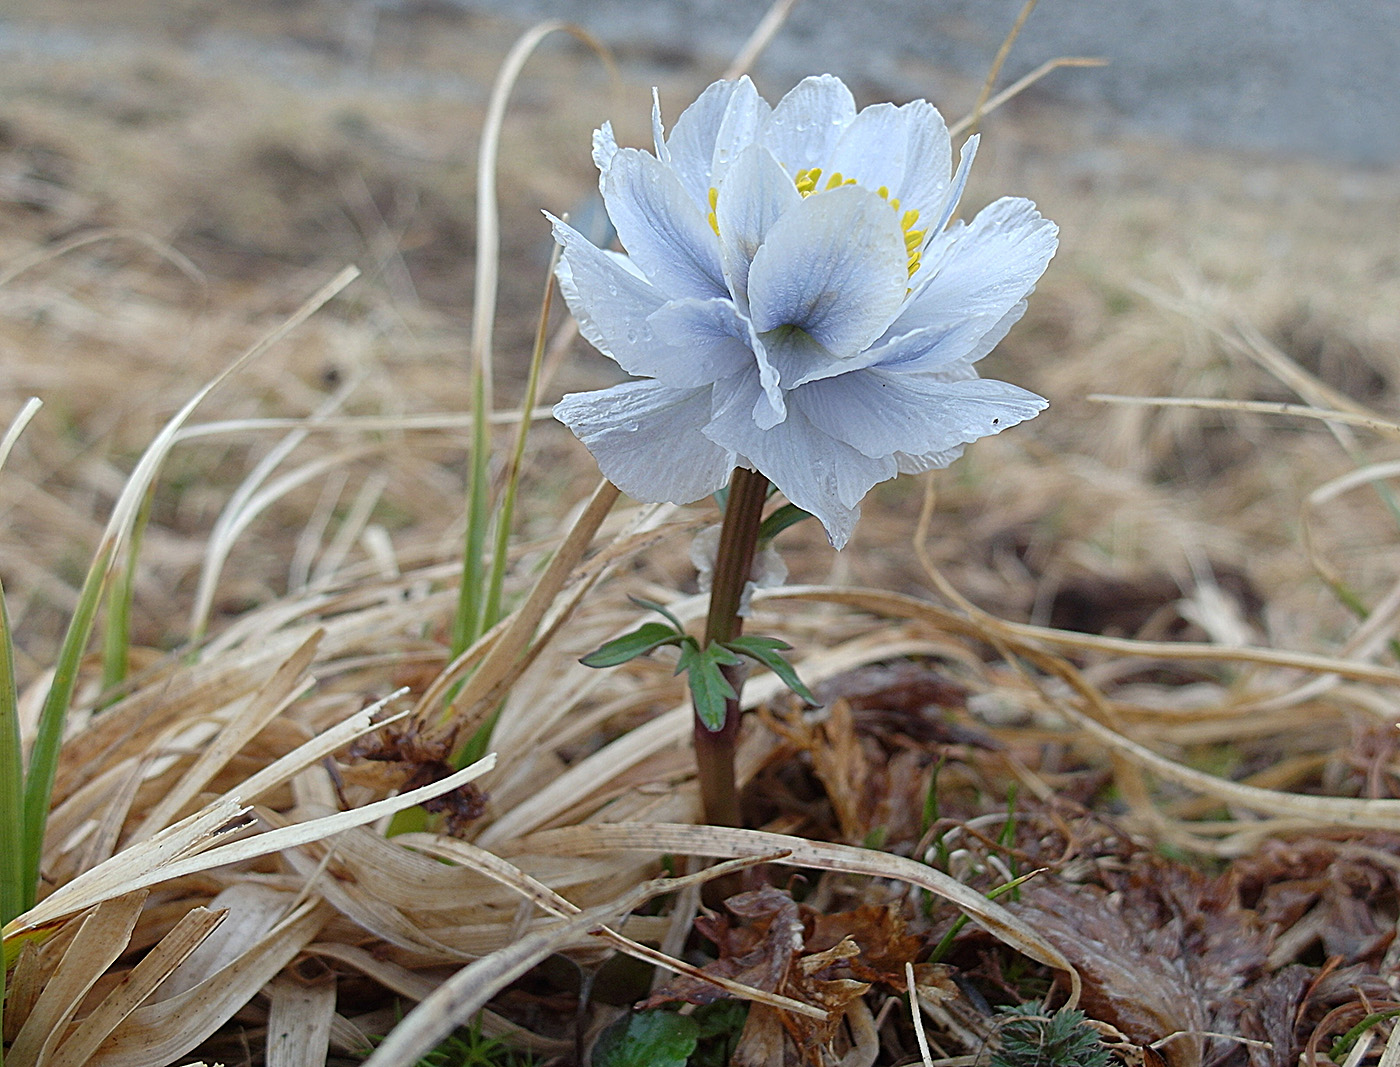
(13,888)
(780,520)
(660,609)
(644,639)
(765,650)
(647,1039)
(720,1024)
(710,690)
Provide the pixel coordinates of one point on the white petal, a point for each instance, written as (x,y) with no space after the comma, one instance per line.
(658,131)
(647,440)
(663,231)
(835,266)
(944,352)
(817,473)
(604,148)
(808,121)
(882,412)
(980,271)
(712,132)
(906,149)
(613,304)
(755,192)
(927,175)
(954,192)
(931,461)
(713,336)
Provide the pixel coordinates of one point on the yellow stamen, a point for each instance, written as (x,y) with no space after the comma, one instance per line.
(809,182)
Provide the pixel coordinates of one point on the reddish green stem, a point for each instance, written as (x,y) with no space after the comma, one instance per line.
(738,540)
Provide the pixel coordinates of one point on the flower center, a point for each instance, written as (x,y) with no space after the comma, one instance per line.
(809,181)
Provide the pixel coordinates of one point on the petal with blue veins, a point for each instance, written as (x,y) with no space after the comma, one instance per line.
(834,266)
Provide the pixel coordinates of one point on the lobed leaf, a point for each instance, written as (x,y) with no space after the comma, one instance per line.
(765,650)
(710,690)
(645,638)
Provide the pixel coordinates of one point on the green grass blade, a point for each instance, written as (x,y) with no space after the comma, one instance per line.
(48,737)
(116,639)
(12,895)
(492,611)
(466,625)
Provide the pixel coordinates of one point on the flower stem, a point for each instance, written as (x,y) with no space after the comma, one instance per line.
(738,539)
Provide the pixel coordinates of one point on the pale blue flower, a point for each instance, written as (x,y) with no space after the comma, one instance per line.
(793,300)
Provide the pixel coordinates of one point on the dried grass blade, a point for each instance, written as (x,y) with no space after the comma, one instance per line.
(473,615)
(299,1023)
(502,662)
(108,801)
(189,847)
(17,424)
(304,833)
(187,935)
(43,759)
(554,904)
(761,38)
(118,875)
(158,1034)
(725,842)
(251,500)
(1388,427)
(316,749)
(101,937)
(488,234)
(392,976)
(464,994)
(902,606)
(25,984)
(997,61)
(377,917)
(280,690)
(1361,813)
(1019,86)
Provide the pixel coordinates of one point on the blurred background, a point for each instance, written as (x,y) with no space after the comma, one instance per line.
(1283,75)
(176,178)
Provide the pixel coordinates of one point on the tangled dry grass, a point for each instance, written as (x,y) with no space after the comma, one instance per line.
(1145,650)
